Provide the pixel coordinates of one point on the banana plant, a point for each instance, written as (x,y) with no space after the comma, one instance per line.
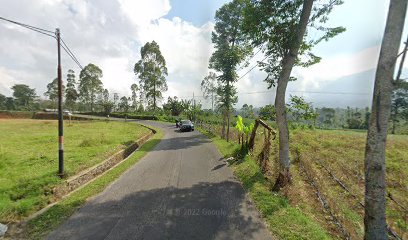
(243,130)
(240,128)
(247,131)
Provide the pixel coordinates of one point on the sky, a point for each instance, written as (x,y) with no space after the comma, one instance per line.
(111,33)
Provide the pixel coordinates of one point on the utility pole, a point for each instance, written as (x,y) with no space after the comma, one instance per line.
(60,115)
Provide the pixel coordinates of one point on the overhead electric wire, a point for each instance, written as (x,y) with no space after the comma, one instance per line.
(243,65)
(26,25)
(36,29)
(252,68)
(310,92)
(48,33)
(71,54)
(73,59)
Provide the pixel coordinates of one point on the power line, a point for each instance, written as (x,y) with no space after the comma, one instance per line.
(66,50)
(311,92)
(252,68)
(243,65)
(48,33)
(71,54)
(339,93)
(37,29)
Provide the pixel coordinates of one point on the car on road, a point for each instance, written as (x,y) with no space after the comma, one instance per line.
(186,125)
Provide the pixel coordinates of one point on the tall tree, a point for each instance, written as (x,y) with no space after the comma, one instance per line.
(115,101)
(174,106)
(279,28)
(374,161)
(3,100)
(247,111)
(328,115)
(267,112)
(106,103)
(90,84)
(71,93)
(135,88)
(301,110)
(52,91)
(209,86)
(152,72)
(399,102)
(10,103)
(24,96)
(232,47)
(124,104)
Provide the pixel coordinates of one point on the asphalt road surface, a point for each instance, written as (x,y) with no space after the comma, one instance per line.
(182,189)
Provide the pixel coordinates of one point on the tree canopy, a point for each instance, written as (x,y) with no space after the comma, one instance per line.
(71,93)
(231,48)
(152,71)
(90,84)
(24,96)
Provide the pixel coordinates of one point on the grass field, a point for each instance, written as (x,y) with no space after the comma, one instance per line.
(286,221)
(29,158)
(332,158)
(331,155)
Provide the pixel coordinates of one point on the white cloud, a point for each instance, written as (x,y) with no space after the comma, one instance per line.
(333,68)
(106,33)
(110,35)
(143,12)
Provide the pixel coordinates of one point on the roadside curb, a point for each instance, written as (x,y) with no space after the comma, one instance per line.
(85,176)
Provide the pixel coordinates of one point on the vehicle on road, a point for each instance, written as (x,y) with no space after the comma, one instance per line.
(186,125)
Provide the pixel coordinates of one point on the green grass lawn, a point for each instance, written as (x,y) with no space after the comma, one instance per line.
(342,152)
(29,158)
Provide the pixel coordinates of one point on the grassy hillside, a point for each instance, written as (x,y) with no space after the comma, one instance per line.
(335,160)
(328,178)
(285,220)
(29,158)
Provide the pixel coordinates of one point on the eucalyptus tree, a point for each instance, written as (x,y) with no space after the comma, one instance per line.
(3,100)
(135,88)
(209,86)
(71,93)
(374,162)
(231,48)
(124,104)
(90,84)
(115,101)
(152,71)
(52,91)
(279,28)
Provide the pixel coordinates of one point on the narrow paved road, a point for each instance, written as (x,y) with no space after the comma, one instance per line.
(180,190)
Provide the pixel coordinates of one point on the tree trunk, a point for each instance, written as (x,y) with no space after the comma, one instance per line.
(287,64)
(228,103)
(224,123)
(154,97)
(92,101)
(374,162)
(228,125)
